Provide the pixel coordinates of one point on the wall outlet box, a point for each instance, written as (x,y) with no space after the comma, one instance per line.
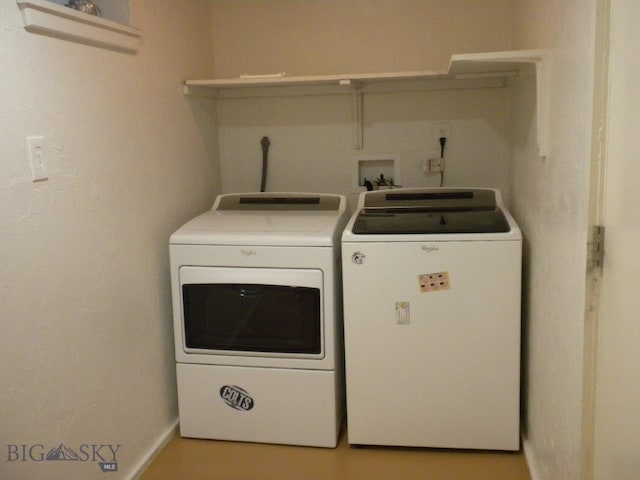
(435,165)
(371,166)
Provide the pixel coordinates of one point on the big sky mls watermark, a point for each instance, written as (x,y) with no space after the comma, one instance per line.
(104,454)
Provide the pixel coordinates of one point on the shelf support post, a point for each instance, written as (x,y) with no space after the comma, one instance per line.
(543,101)
(356,109)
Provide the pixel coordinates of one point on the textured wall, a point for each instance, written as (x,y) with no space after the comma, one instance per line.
(550,200)
(344,36)
(85,330)
(312,147)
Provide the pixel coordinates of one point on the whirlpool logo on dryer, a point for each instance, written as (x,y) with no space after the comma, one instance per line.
(236,397)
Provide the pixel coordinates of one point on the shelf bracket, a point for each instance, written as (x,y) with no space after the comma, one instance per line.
(543,100)
(462,66)
(356,109)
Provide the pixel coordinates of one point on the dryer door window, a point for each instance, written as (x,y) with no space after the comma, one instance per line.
(279,315)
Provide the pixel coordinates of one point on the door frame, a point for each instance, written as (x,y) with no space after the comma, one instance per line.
(593,284)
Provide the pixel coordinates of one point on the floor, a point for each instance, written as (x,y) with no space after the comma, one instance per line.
(219,460)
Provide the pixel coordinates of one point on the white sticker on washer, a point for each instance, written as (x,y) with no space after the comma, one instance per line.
(402,313)
(433,282)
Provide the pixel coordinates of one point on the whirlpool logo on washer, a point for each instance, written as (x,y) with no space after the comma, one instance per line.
(236,397)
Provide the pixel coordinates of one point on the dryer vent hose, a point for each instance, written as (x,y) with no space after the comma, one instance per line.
(265,157)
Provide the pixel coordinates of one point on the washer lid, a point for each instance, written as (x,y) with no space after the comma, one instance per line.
(431,214)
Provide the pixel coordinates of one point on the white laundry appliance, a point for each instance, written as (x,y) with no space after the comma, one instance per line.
(257,319)
(432,319)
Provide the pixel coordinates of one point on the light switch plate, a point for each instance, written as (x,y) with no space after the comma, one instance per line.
(37,159)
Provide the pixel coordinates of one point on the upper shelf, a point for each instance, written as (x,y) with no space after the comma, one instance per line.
(465,71)
(282,80)
(462,67)
(48,18)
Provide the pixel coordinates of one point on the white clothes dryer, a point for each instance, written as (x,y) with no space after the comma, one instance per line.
(432,319)
(257,319)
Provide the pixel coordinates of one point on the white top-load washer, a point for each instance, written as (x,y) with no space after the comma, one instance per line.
(257,319)
(432,319)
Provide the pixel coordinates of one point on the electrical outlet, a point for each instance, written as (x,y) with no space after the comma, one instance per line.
(436,165)
(433,165)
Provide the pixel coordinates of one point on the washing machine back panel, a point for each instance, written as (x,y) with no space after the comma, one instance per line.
(429,222)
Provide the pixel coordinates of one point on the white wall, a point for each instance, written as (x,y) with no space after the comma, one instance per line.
(312,147)
(550,200)
(85,336)
(311,136)
(353,36)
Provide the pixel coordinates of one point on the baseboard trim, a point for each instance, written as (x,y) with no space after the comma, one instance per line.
(137,471)
(530,458)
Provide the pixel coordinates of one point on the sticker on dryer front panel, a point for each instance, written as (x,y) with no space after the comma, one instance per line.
(433,282)
(236,397)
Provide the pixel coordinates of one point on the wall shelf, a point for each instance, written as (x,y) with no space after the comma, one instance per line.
(48,18)
(331,84)
(476,70)
(311,80)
